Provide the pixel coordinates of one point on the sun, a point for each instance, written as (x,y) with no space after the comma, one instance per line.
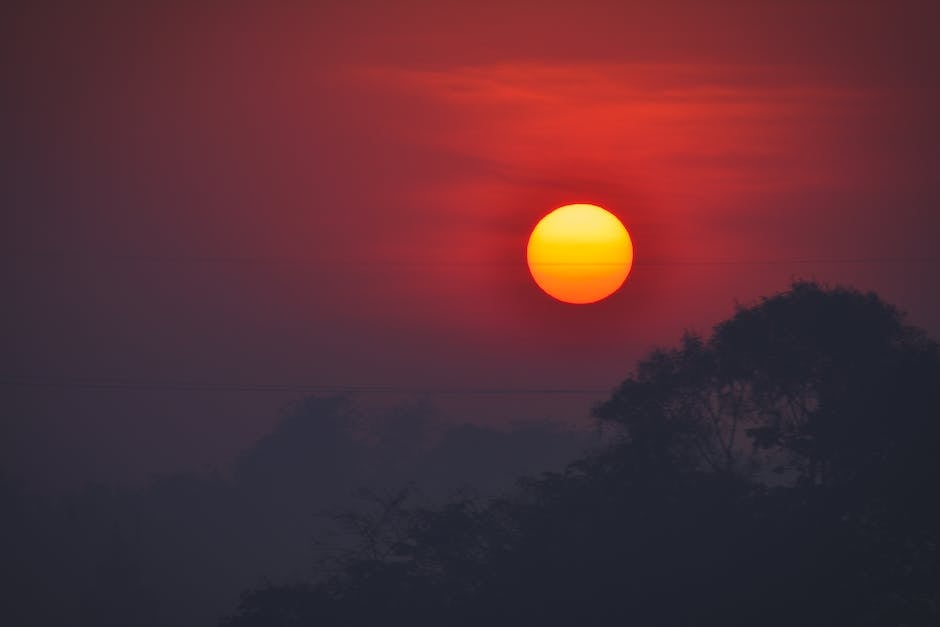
(579,253)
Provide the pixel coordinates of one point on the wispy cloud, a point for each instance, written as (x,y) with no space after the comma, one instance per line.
(673,127)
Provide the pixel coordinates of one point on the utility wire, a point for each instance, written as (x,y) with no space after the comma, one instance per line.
(197,386)
(203,386)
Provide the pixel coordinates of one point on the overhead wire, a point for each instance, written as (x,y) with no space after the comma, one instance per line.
(206,386)
(23,381)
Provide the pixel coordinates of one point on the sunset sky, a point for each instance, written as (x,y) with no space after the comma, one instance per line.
(338,195)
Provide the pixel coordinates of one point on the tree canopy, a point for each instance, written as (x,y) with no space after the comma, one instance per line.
(781,471)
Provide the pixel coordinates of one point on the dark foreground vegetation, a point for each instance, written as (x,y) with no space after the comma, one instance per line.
(783,472)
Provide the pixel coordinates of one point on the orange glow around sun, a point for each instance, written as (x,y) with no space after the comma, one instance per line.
(580,253)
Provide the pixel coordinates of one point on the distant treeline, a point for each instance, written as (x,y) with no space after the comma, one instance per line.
(177,551)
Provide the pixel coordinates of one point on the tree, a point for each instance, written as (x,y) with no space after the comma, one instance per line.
(779,472)
(815,384)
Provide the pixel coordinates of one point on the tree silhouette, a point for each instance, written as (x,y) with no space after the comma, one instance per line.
(779,472)
(179,549)
(819,384)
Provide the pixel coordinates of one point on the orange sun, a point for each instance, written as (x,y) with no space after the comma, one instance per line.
(579,253)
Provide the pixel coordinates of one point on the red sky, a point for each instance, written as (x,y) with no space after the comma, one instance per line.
(339,194)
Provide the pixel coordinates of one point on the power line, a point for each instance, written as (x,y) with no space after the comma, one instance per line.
(204,386)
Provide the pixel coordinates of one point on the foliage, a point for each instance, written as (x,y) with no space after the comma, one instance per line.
(178,550)
(781,472)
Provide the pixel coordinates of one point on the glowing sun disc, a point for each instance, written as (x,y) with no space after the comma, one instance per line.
(579,253)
